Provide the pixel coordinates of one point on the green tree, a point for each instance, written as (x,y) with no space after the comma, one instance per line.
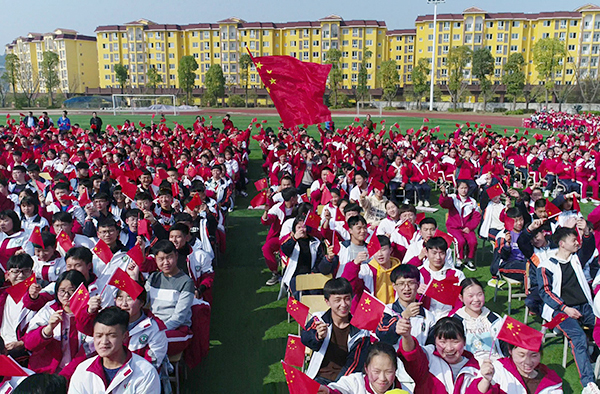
(483,67)
(589,85)
(547,54)
(187,75)
(333,57)
(11,75)
(122,75)
(420,79)
(514,76)
(458,58)
(389,77)
(362,89)
(50,74)
(214,83)
(153,78)
(245,63)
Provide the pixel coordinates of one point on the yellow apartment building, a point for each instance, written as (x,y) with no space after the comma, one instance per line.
(77,55)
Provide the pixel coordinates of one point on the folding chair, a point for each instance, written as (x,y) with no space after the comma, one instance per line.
(177,362)
(312,282)
(518,296)
(551,334)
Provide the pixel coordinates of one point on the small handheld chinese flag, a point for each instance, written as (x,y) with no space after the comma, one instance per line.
(312,220)
(420,216)
(102,250)
(576,206)
(368,312)
(261,184)
(552,210)
(136,254)
(196,201)
(175,189)
(520,335)
(259,199)
(294,351)
(64,241)
(122,281)
(445,291)
(297,310)
(407,230)
(298,382)
(509,223)
(36,237)
(18,291)
(11,368)
(330,177)
(128,189)
(556,320)
(84,199)
(79,300)
(339,216)
(144,228)
(325,196)
(373,246)
(494,191)
(449,239)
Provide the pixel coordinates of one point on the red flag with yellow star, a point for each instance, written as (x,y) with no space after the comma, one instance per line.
(102,250)
(520,335)
(368,313)
(18,291)
(294,351)
(445,291)
(297,310)
(122,281)
(556,320)
(79,300)
(298,382)
(296,88)
(64,241)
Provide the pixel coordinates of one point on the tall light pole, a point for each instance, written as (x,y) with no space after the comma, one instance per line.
(435,4)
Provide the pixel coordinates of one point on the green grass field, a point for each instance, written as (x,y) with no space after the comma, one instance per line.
(249,327)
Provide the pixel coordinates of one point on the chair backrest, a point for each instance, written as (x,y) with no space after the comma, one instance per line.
(315,303)
(320,209)
(311,281)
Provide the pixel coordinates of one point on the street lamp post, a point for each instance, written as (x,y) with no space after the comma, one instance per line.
(435,4)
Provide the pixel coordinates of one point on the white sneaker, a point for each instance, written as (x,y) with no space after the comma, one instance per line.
(546,193)
(427,204)
(420,204)
(591,388)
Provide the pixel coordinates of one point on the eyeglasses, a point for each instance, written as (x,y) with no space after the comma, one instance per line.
(409,284)
(22,271)
(66,292)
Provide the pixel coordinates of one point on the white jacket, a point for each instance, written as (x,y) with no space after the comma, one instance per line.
(356,384)
(135,376)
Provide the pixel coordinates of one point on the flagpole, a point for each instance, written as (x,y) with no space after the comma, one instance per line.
(426,288)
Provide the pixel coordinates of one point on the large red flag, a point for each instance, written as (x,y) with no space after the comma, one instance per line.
(368,312)
(296,88)
(294,351)
(298,382)
(122,281)
(520,335)
(79,300)
(445,291)
(297,310)
(18,291)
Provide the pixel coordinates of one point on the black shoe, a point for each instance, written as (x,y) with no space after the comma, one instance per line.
(459,265)
(470,265)
(275,278)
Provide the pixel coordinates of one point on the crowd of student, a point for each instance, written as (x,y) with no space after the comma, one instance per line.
(562,121)
(346,205)
(125,221)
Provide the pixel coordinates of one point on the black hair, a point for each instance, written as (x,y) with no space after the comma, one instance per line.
(75,277)
(513,213)
(183,228)
(61,186)
(12,215)
(62,217)
(20,168)
(539,203)
(48,239)
(428,221)
(142,297)
(337,286)
(562,233)
(352,207)
(22,260)
(384,240)
(30,200)
(80,253)
(101,196)
(407,208)
(183,216)
(289,193)
(381,348)
(449,328)
(113,316)
(143,196)
(437,243)
(165,191)
(362,173)
(164,246)
(406,271)
(42,383)
(468,282)
(354,220)
(108,222)
(133,213)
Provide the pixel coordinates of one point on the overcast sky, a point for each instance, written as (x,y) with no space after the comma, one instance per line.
(43,16)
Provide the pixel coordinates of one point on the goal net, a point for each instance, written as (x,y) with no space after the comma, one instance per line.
(144,103)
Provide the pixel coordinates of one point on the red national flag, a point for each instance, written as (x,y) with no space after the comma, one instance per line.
(96,154)
(261,184)
(175,189)
(576,206)
(330,177)
(294,351)
(18,291)
(79,300)
(298,382)
(449,239)
(84,199)
(368,312)
(41,186)
(11,368)
(520,335)
(312,220)
(494,191)
(259,199)
(556,320)
(325,196)
(297,310)
(407,230)
(552,210)
(64,241)
(196,201)
(296,88)
(137,254)
(373,246)
(445,291)
(144,228)
(102,250)
(420,216)
(509,223)
(36,237)
(425,120)
(128,188)
(339,216)
(122,281)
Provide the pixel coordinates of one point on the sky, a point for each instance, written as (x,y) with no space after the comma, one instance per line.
(42,16)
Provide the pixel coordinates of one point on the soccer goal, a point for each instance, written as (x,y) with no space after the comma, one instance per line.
(144,103)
